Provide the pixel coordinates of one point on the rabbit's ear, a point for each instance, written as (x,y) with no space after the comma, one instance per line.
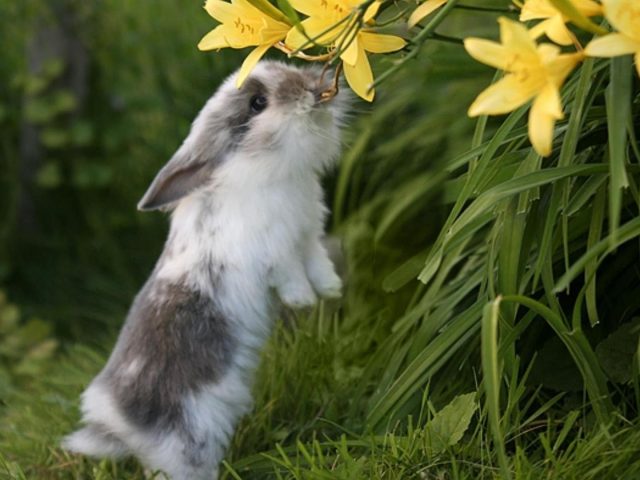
(177,178)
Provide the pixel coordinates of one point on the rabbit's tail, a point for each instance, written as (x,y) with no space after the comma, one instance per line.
(95,441)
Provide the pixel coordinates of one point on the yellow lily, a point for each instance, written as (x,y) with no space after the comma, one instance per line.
(423,10)
(554,24)
(532,72)
(624,15)
(243,25)
(323,15)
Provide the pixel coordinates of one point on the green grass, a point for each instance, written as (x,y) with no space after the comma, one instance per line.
(308,423)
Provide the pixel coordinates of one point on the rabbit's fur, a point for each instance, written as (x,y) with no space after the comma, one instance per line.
(248,220)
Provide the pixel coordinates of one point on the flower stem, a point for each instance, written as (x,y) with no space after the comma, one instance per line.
(487,9)
(446,38)
(417,41)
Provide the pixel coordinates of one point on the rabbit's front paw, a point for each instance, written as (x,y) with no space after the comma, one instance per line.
(329,286)
(298,295)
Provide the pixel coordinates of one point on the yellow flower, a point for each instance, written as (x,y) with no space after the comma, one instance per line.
(323,15)
(423,10)
(554,24)
(532,72)
(243,25)
(624,15)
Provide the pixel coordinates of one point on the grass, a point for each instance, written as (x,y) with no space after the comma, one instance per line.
(308,423)
(490,323)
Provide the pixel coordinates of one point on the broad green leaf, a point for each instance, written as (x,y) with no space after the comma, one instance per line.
(448,425)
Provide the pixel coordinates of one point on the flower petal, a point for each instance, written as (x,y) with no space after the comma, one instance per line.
(215,39)
(423,10)
(557,30)
(503,96)
(515,37)
(224,12)
(546,109)
(359,76)
(588,8)
(624,15)
(372,11)
(312,9)
(272,31)
(250,62)
(313,27)
(536,9)
(486,51)
(612,45)
(350,54)
(561,66)
(379,43)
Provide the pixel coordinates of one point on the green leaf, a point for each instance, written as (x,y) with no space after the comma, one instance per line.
(582,353)
(448,425)
(405,273)
(461,329)
(265,7)
(628,231)
(618,101)
(289,11)
(491,378)
(570,11)
(617,350)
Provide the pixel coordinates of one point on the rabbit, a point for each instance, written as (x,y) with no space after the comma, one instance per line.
(246,228)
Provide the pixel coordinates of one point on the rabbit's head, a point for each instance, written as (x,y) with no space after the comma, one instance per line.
(284,120)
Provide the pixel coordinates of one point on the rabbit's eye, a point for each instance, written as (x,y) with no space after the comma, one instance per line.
(258,103)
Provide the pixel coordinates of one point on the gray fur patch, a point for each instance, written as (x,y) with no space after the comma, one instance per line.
(177,341)
(238,114)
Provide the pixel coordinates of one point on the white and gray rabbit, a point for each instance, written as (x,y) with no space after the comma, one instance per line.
(248,221)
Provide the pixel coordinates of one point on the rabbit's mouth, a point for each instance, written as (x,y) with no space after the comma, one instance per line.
(327,95)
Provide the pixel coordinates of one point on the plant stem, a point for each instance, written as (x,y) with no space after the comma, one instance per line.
(417,41)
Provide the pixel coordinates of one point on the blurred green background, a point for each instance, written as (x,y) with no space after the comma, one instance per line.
(95,96)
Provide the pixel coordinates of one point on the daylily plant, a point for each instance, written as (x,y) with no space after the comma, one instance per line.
(624,15)
(532,72)
(347,28)
(554,23)
(243,25)
(323,16)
